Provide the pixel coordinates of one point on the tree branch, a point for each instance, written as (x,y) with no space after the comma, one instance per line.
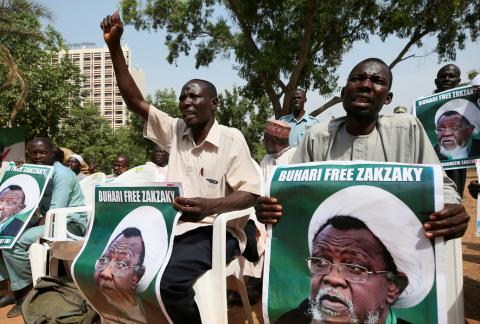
(332,102)
(267,82)
(302,57)
(13,75)
(417,35)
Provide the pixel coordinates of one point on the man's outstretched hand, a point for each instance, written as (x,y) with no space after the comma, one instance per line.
(112,27)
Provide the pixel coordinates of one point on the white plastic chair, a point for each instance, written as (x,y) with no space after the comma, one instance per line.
(56,219)
(255,269)
(55,244)
(141,173)
(88,184)
(211,287)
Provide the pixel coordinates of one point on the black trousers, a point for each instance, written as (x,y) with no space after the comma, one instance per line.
(191,257)
(458,176)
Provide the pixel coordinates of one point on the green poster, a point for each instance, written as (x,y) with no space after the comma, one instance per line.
(21,189)
(452,121)
(126,251)
(350,246)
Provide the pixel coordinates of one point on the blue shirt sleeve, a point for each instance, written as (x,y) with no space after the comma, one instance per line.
(63,184)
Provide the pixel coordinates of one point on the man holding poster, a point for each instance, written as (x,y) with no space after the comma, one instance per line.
(61,191)
(21,190)
(451,117)
(366,135)
(211,161)
(352,246)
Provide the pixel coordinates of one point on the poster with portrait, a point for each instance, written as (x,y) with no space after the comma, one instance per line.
(21,190)
(126,250)
(350,246)
(452,121)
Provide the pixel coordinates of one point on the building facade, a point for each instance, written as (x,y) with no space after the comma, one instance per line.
(99,84)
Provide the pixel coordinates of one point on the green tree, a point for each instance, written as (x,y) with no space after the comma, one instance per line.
(282,45)
(246,115)
(449,21)
(87,133)
(472,74)
(167,101)
(11,25)
(53,89)
(278,45)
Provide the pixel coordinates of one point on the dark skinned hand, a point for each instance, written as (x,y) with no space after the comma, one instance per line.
(112,27)
(193,209)
(268,210)
(474,188)
(450,222)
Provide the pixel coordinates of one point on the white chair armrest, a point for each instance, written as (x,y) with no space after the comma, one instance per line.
(219,238)
(56,221)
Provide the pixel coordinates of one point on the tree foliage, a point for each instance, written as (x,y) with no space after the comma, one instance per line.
(52,89)
(167,101)
(282,45)
(246,115)
(12,13)
(89,134)
(450,21)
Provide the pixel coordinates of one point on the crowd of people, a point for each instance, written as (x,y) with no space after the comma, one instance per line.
(218,175)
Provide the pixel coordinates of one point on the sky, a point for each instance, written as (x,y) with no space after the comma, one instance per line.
(79,21)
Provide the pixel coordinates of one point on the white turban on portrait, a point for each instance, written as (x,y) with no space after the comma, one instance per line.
(395,225)
(464,107)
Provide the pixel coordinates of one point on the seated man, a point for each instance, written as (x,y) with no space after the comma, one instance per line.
(210,160)
(120,165)
(62,190)
(279,152)
(75,162)
(366,135)
(160,162)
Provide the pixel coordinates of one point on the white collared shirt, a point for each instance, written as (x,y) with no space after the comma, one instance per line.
(215,168)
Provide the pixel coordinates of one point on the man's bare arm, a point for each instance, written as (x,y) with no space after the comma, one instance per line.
(112,27)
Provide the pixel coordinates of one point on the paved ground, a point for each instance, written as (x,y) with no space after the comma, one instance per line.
(471,264)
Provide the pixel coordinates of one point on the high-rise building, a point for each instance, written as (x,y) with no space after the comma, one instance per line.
(100,84)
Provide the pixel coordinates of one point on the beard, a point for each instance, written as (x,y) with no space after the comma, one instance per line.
(458,152)
(319,314)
